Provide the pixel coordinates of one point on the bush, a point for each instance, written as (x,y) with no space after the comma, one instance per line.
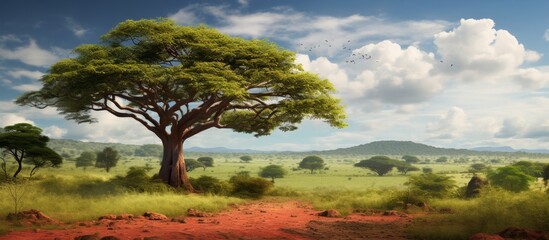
(250,187)
(211,185)
(510,178)
(431,185)
(137,180)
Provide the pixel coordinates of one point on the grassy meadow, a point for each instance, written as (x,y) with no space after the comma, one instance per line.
(74,194)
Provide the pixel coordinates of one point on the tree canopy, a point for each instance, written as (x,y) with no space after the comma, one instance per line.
(26,144)
(431,185)
(381,164)
(192,164)
(107,159)
(85,159)
(312,163)
(272,172)
(510,178)
(206,162)
(246,158)
(178,81)
(411,159)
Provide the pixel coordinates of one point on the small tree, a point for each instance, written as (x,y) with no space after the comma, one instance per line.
(406,168)
(192,164)
(530,168)
(312,163)
(442,160)
(246,158)
(206,162)
(510,178)
(85,159)
(431,185)
(427,170)
(23,141)
(107,159)
(380,164)
(42,157)
(477,167)
(410,159)
(273,171)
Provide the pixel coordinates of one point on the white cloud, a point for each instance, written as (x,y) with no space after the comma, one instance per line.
(546,35)
(12,118)
(286,24)
(478,51)
(31,54)
(185,16)
(27,87)
(55,132)
(26,74)
(511,127)
(9,38)
(451,125)
(75,28)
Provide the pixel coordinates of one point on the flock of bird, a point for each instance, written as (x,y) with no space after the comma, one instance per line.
(352,57)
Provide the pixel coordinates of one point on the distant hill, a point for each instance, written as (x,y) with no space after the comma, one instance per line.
(399,148)
(509,150)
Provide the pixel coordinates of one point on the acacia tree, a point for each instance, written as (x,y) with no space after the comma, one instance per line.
(178,81)
(381,164)
(206,162)
(246,158)
(273,171)
(26,144)
(312,163)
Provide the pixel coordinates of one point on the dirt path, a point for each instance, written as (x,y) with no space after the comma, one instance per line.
(256,220)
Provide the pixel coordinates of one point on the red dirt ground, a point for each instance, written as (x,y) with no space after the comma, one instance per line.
(255,220)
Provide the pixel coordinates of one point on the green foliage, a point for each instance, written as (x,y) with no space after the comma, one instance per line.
(192,164)
(477,167)
(427,170)
(411,159)
(312,163)
(211,185)
(530,168)
(206,162)
(107,159)
(246,158)
(381,164)
(546,174)
(85,159)
(244,185)
(272,172)
(25,144)
(431,185)
(406,168)
(137,180)
(510,178)
(442,159)
(149,150)
(42,157)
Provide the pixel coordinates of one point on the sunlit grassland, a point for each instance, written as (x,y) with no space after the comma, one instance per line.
(69,206)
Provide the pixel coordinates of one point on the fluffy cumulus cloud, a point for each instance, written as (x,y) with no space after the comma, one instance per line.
(30,54)
(450,125)
(477,51)
(21,73)
(11,118)
(55,132)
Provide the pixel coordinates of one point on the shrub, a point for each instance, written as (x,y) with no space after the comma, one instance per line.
(246,186)
(211,185)
(510,178)
(137,180)
(431,185)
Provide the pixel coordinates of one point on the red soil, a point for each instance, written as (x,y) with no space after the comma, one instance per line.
(256,220)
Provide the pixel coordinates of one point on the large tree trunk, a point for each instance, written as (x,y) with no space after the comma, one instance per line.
(172,169)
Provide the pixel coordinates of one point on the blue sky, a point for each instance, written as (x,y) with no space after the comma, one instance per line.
(446,73)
